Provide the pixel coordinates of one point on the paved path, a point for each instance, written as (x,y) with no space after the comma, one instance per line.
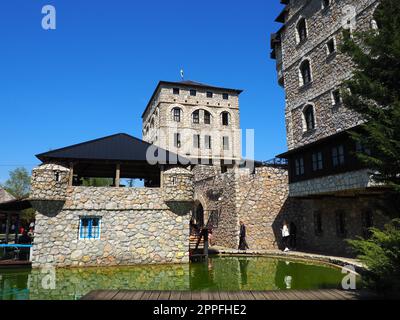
(228,296)
(340,261)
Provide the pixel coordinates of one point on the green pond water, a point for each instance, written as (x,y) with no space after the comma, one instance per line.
(219,273)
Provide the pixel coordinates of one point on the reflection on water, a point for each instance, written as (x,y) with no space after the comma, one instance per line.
(219,273)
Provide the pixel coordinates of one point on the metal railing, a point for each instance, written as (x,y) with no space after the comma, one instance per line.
(276,162)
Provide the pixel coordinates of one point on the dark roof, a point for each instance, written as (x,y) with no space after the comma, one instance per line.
(15,205)
(333,137)
(118,147)
(189,84)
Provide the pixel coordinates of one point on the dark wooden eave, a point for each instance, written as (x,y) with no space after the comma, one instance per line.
(15,205)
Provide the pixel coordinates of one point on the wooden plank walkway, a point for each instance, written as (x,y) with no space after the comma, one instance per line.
(229,296)
(11,263)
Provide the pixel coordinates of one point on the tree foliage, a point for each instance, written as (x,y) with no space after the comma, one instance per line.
(381,253)
(19,183)
(374,92)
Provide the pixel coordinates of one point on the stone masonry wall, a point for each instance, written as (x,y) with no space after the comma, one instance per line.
(350,181)
(328,70)
(49,181)
(159,126)
(329,242)
(263,205)
(259,200)
(136,228)
(207,192)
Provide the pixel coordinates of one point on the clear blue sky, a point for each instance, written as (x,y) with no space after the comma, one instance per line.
(94,74)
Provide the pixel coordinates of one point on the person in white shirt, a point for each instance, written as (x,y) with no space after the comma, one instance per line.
(285,236)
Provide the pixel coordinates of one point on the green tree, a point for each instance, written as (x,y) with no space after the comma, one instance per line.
(374,92)
(19,183)
(381,253)
(97,182)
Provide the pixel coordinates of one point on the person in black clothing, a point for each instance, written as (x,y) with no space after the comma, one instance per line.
(242,240)
(24,238)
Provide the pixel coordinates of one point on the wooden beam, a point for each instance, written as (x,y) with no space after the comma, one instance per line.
(117,175)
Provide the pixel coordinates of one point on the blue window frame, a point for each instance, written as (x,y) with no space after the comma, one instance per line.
(89,228)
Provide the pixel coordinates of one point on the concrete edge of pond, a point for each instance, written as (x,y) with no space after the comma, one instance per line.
(293,255)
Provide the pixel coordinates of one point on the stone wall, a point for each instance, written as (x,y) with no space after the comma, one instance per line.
(136,227)
(349,181)
(263,205)
(208,192)
(260,200)
(159,126)
(178,185)
(49,182)
(328,70)
(329,242)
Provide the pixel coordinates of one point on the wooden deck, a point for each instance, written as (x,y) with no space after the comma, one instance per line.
(11,263)
(233,296)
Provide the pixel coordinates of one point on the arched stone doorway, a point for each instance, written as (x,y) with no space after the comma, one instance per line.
(198,215)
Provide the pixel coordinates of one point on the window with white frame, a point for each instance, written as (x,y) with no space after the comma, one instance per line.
(336,97)
(331,47)
(305,73)
(301,30)
(207,117)
(89,228)
(309,118)
(196,117)
(176,113)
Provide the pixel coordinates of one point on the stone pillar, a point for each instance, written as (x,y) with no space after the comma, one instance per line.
(71,174)
(117,175)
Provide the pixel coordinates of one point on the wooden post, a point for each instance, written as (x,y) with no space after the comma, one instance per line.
(117,175)
(205,230)
(8,227)
(71,174)
(17,229)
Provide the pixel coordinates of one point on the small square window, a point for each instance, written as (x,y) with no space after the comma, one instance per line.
(225,96)
(193,93)
(176,90)
(209,94)
(89,228)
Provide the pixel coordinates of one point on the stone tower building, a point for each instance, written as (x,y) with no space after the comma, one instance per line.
(196,121)
(323,167)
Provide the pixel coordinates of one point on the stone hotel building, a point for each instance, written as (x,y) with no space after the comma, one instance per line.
(337,197)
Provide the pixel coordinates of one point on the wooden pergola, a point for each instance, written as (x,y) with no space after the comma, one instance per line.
(117,156)
(12,209)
